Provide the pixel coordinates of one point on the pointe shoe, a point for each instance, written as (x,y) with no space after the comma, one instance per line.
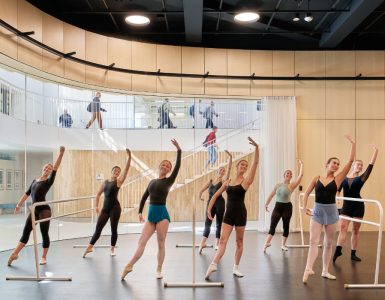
(43,261)
(265,247)
(306,275)
(201,248)
(159,275)
(328,276)
(12,258)
(87,251)
(284,248)
(127,269)
(212,268)
(237,273)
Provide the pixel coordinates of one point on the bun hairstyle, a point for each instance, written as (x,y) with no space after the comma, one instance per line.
(167,161)
(330,159)
(287,171)
(115,167)
(240,162)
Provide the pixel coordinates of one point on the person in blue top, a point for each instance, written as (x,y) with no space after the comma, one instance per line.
(352,186)
(65,120)
(283,207)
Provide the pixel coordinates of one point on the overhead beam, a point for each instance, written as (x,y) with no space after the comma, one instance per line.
(347,22)
(193,20)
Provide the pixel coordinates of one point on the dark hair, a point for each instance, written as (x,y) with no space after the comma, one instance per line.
(115,167)
(167,161)
(330,159)
(240,162)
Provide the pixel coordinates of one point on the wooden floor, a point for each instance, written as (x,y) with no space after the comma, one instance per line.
(274,275)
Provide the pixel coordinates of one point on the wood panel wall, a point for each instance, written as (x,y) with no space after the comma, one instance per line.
(325,110)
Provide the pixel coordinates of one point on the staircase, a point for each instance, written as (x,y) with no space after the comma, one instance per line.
(192,170)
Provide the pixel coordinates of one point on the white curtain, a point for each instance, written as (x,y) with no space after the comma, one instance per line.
(277,151)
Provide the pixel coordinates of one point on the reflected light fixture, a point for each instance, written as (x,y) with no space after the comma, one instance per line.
(296,17)
(137,20)
(246,17)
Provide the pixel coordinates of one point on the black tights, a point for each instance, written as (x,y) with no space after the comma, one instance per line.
(284,211)
(114,215)
(218,210)
(44,227)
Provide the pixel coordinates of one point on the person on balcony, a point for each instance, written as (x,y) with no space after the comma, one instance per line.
(211,144)
(65,120)
(38,190)
(164,114)
(95,109)
(209,114)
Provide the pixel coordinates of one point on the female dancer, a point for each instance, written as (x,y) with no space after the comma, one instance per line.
(283,207)
(38,190)
(158,217)
(352,186)
(219,207)
(236,213)
(111,206)
(325,213)
(96,109)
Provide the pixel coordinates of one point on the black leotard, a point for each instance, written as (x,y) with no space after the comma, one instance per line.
(352,188)
(325,194)
(158,189)
(236,213)
(111,191)
(39,189)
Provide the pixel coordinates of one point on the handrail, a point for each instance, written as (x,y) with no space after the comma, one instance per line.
(34,222)
(379,240)
(111,67)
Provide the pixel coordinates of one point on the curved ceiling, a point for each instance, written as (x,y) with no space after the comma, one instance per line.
(336,24)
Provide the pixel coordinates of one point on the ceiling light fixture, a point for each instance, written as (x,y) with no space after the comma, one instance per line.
(137,20)
(308,17)
(246,17)
(296,17)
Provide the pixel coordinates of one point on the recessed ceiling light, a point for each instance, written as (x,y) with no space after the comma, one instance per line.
(246,17)
(137,20)
(296,17)
(308,17)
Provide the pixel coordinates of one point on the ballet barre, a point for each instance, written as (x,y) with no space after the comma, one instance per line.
(32,208)
(379,225)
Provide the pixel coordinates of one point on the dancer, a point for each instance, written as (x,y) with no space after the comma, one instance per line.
(158,217)
(325,213)
(111,206)
(352,186)
(283,207)
(38,190)
(236,213)
(218,209)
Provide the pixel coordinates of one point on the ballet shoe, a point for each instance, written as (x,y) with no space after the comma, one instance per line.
(353,257)
(306,275)
(127,269)
(284,248)
(336,255)
(201,248)
(87,251)
(159,275)
(43,261)
(12,258)
(237,273)
(212,268)
(265,247)
(328,276)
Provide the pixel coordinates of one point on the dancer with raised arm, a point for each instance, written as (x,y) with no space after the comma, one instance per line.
(236,213)
(111,206)
(38,190)
(352,186)
(158,217)
(283,207)
(218,209)
(325,213)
